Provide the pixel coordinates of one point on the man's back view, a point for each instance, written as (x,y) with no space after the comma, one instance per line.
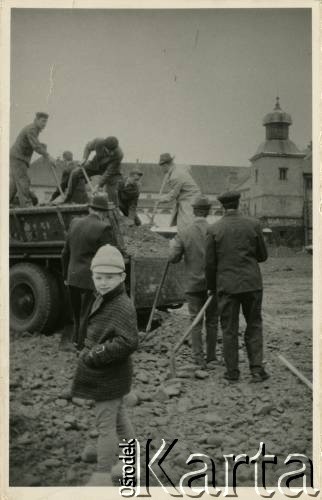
(235,245)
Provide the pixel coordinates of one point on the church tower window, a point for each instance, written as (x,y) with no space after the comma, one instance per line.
(283,173)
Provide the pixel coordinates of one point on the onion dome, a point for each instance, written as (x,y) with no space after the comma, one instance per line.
(277,142)
(277,123)
(277,115)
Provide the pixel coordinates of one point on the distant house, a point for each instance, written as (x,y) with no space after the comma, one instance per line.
(43,182)
(212,180)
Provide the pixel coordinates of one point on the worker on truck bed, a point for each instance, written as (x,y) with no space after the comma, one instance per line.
(235,246)
(106,163)
(85,236)
(129,192)
(73,183)
(182,190)
(191,245)
(20,156)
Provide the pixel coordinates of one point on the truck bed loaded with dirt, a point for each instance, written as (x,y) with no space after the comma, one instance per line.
(38,300)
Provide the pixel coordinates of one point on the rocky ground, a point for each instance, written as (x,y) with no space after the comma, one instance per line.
(202,410)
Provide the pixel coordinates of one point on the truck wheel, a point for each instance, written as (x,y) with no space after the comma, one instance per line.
(34,299)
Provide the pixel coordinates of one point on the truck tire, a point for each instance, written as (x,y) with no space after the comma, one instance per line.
(34,299)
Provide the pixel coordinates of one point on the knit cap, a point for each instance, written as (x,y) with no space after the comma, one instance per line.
(108,259)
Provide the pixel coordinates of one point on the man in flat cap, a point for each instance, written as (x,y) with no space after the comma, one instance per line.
(235,246)
(20,156)
(191,245)
(106,163)
(182,190)
(129,192)
(85,236)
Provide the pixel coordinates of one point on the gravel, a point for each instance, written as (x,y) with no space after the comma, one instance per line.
(48,432)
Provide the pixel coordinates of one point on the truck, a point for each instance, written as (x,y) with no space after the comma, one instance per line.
(38,296)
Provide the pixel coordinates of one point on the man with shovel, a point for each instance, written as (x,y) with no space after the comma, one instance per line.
(129,193)
(191,244)
(20,156)
(182,190)
(106,163)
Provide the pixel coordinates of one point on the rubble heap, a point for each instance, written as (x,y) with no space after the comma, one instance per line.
(141,241)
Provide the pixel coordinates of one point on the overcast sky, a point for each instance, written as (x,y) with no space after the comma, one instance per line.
(196,83)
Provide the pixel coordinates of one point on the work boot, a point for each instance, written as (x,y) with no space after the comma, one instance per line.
(67,394)
(117,473)
(199,361)
(211,365)
(100,479)
(232,376)
(89,454)
(259,376)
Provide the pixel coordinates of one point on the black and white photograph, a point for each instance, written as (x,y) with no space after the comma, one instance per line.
(160,247)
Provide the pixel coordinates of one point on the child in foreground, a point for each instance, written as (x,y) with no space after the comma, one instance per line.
(104,371)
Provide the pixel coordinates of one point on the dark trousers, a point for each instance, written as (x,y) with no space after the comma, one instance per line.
(110,178)
(20,183)
(112,187)
(229,307)
(130,212)
(195,302)
(79,299)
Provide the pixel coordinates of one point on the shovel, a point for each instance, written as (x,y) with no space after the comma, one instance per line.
(186,334)
(87,178)
(154,212)
(296,372)
(53,169)
(156,298)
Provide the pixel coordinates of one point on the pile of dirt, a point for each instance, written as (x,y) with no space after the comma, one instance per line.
(141,241)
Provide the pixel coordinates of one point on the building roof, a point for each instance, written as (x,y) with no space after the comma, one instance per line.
(212,179)
(277,147)
(245,184)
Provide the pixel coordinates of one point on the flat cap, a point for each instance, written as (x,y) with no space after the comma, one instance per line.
(165,158)
(229,196)
(201,202)
(99,202)
(41,114)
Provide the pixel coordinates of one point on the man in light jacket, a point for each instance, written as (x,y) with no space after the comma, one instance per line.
(182,190)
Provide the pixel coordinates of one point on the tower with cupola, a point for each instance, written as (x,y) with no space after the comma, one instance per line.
(276,183)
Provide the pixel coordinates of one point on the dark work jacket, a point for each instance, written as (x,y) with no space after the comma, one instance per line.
(128,194)
(191,244)
(235,245)
(85,236)
(26,143)
(111,337)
